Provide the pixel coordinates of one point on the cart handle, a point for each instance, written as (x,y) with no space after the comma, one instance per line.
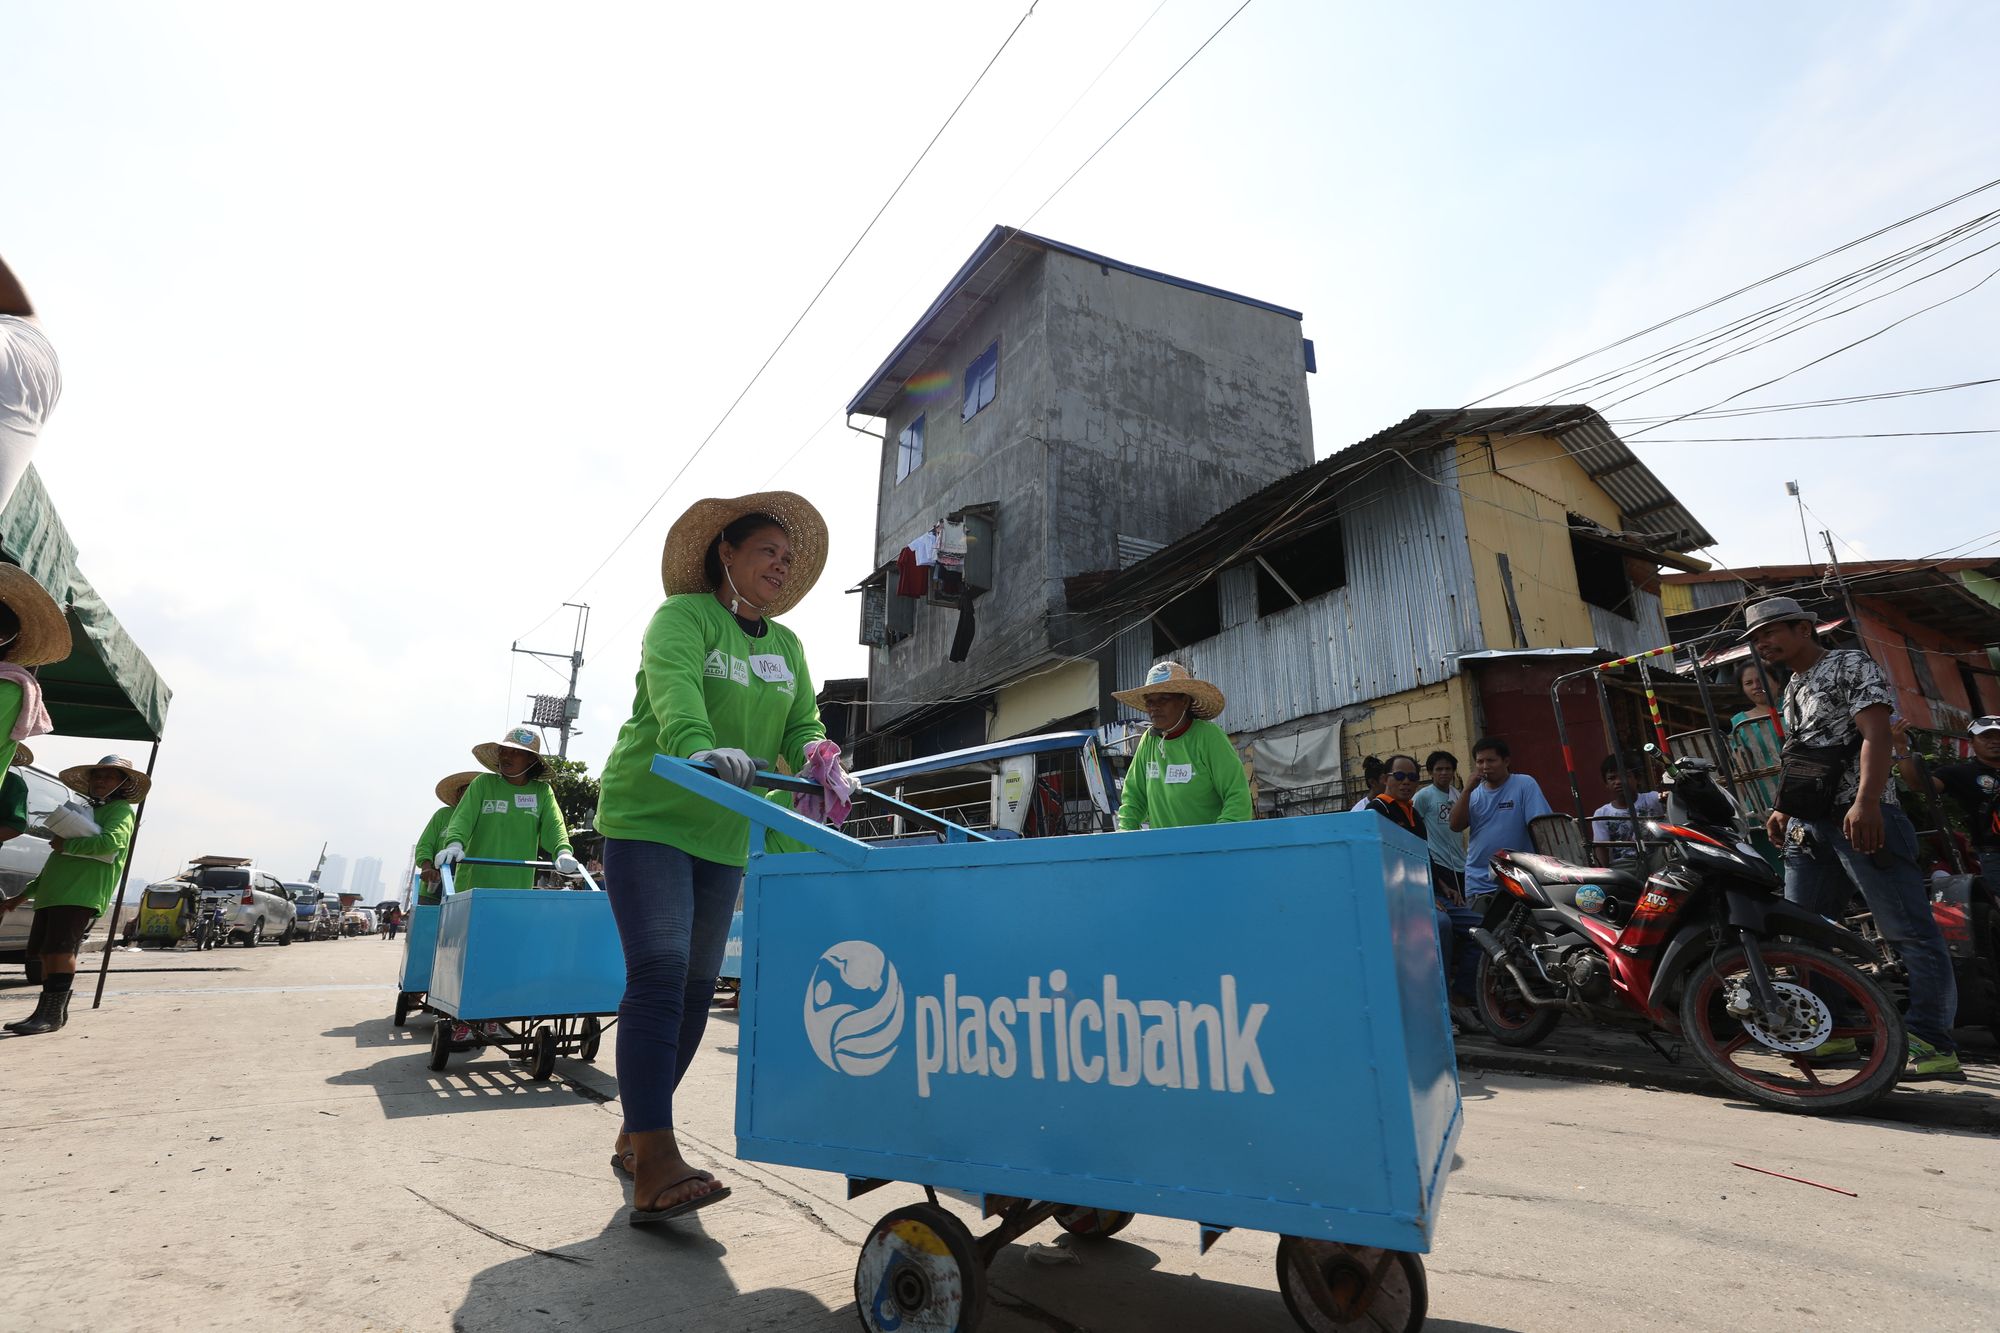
(450,889)
(772,817)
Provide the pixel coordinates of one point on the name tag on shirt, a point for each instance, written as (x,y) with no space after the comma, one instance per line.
(771,668)
(1178,773)
(527,802)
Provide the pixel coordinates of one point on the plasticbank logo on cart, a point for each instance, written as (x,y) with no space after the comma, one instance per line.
(855,1010)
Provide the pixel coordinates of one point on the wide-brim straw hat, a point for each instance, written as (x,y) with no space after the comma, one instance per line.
(451,789)
(78,778)
(23,756)
(44,634)
(695,531)
(1173,678)
(520,738)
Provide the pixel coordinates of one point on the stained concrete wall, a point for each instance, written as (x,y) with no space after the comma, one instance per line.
(1124,404)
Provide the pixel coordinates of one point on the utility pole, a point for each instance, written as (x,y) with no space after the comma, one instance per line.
(1853,617)
(318,865)
(561,713)
(1792,489)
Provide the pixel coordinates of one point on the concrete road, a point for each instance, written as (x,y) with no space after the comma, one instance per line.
(242,1140)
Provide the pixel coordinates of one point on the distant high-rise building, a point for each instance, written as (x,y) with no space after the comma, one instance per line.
(333,875)
(367,879)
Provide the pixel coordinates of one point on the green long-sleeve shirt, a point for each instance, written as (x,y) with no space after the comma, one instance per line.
(497,819)
(704,684)
(10,713)
(85,872)
(427,841)
(1195,778)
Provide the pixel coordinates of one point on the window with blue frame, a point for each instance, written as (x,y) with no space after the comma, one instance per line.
(910,449)
(982,377)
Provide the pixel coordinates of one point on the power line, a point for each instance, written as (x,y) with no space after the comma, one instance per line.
(787,337)
(1813,403)
(1761,282)
(1865,435)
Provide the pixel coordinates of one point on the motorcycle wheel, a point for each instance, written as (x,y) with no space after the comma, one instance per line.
(1508,1018)
(1789,1080)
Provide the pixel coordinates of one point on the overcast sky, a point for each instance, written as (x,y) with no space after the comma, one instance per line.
(381,323)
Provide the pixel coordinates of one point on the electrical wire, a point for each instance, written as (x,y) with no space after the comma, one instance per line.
(765,365)
(1886,394)
(1861,435)
(1730,296)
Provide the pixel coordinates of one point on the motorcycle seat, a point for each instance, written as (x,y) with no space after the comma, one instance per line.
(1548,870)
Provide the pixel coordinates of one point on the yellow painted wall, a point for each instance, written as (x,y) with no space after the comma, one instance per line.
(1415,722)
(1025,707)
(1518,494)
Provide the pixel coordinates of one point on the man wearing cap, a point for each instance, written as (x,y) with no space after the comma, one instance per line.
(1836,710)
(1184,770)
(77,882)
(1973,787)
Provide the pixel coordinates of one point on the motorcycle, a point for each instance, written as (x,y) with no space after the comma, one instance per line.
(1704,947)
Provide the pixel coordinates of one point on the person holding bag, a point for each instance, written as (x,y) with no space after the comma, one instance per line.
(722,683)
(1833,786)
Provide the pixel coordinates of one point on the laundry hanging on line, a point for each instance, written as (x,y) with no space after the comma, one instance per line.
(912,578)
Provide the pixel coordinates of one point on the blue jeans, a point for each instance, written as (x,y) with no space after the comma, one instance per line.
(1463,968)
(673,914)
(1900,901)
(1987,862)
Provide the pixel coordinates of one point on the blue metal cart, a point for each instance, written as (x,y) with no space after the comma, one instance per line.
(420,931)
(543,966)
(1241,1025)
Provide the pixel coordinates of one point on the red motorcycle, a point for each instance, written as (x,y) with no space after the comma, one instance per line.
(1703,947)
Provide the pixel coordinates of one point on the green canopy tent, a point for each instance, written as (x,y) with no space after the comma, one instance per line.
(105,688)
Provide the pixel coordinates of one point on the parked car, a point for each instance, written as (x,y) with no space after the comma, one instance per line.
(255,906)
(315,907)
(21,859)
(359,921)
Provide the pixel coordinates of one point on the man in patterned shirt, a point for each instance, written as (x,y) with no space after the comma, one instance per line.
(1841,698)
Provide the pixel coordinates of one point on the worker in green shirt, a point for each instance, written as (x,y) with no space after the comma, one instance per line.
(1184,771)
(77,882)
(722,683)
(508,813)
(14,796)
(449,790)
(33,632)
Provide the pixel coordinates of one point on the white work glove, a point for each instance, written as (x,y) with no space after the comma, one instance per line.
(567,865)
(733,766)
(448,856)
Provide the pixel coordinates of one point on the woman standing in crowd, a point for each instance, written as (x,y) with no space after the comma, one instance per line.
(722,683)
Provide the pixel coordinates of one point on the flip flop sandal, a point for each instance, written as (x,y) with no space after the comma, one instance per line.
(618,1163)
(645,1217)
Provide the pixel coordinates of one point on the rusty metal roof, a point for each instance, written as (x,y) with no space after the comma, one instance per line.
(973,288)
(1293,504)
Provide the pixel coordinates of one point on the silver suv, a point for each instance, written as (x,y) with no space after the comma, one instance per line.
(255,906)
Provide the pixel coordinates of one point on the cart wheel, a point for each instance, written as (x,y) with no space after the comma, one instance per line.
(593,1037)
(405,1002)
(543,1044)
(1092,1223)
(1331,1288)
(920,1269)
(441,1045)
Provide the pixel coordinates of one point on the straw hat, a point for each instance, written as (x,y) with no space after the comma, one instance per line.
(1173,678)
(693,532)
(23,756)
(520,738)
(78,778)
(450,789)
(44,628)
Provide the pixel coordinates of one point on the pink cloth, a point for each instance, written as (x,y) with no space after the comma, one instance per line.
(34,719)
(830,804)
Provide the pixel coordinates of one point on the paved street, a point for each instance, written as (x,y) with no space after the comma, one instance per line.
(242,1140)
